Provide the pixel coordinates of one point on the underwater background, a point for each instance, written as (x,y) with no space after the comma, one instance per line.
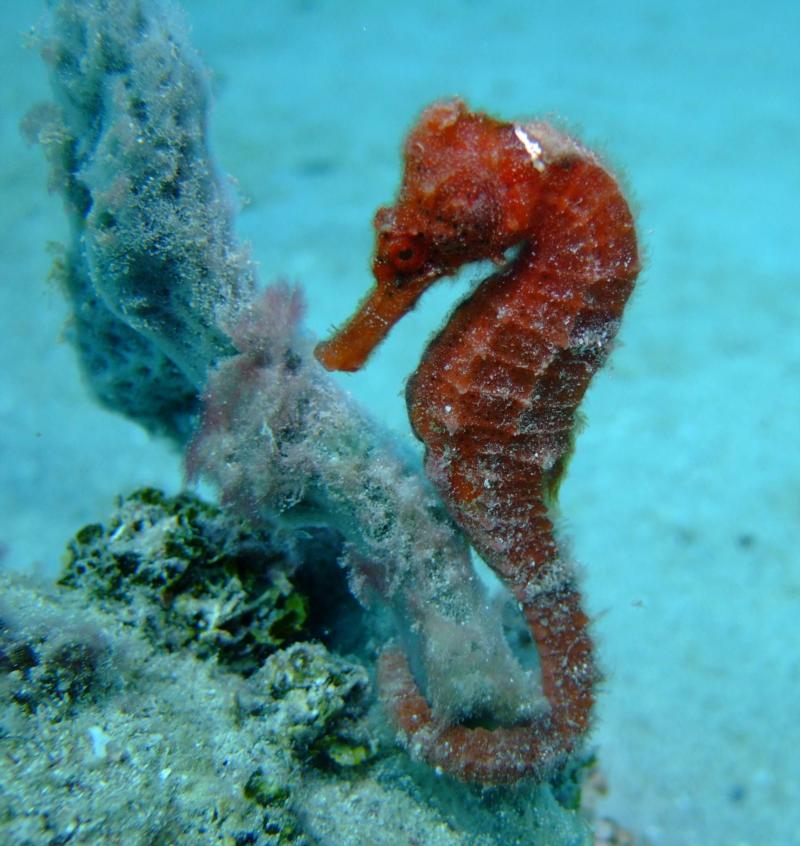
(682,503)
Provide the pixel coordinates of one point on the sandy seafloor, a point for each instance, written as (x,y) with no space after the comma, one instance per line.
(683,500)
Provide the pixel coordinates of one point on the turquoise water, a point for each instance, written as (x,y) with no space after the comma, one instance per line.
(683,501)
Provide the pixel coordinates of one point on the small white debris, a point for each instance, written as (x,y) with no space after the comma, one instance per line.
(532,146)
(100,741)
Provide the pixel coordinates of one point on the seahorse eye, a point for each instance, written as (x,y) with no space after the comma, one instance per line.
(406,253)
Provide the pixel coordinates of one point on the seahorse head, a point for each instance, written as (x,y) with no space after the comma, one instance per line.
(469,191)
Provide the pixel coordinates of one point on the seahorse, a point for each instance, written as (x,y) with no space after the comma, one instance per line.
(495,397)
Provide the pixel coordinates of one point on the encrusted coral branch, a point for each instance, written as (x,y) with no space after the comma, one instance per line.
(278,436)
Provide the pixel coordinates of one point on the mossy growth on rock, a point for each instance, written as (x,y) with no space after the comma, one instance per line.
(313,701)
(61,665)
(191,576)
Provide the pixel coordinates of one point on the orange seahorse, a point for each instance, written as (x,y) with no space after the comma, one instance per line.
(494,399)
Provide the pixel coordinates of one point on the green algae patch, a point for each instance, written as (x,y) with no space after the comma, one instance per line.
(264,788)
(191,576)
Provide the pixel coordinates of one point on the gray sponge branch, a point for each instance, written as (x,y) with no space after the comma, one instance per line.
(153,268)
(165,320)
